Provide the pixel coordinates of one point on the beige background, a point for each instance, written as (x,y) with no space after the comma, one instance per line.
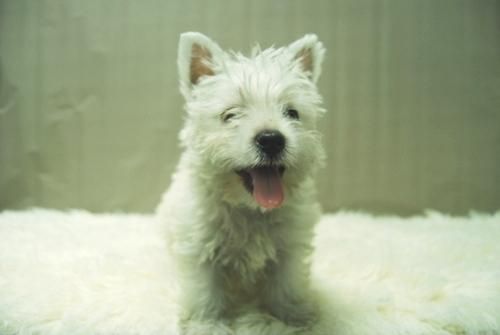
(90,110)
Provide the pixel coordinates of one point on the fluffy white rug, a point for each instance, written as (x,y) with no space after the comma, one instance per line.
(79,273)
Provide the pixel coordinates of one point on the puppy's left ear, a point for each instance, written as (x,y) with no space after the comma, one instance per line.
(309,52)
(196,58)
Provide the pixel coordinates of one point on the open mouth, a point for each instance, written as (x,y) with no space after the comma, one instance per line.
(265,184)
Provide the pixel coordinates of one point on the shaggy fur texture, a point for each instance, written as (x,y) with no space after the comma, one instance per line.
(79,274)
(240,211)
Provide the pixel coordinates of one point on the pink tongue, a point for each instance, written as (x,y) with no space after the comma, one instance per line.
(267,187)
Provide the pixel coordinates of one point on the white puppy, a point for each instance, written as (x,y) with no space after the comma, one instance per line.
(241,207)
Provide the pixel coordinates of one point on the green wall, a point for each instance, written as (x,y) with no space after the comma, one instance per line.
(90,109)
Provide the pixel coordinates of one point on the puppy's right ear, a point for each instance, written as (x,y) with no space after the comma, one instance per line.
(197,58)
(309,51)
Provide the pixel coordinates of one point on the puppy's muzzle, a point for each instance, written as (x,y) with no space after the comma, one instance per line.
(271,143)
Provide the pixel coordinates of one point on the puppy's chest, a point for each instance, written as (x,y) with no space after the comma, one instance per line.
(244,246)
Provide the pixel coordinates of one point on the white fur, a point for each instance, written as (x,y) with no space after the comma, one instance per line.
(235,258)
(78,274)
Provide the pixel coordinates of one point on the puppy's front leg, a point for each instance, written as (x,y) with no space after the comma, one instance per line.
(286,294)
(203,303)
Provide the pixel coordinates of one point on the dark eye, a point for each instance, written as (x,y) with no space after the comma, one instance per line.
(292,113)
(229,113)
(227,116)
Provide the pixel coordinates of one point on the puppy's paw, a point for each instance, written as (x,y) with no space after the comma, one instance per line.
(298,314)
(205,327)
(263,324)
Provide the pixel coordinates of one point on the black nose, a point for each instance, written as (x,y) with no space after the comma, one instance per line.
(270,142)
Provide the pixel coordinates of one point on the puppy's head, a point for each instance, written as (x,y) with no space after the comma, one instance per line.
(252,120)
